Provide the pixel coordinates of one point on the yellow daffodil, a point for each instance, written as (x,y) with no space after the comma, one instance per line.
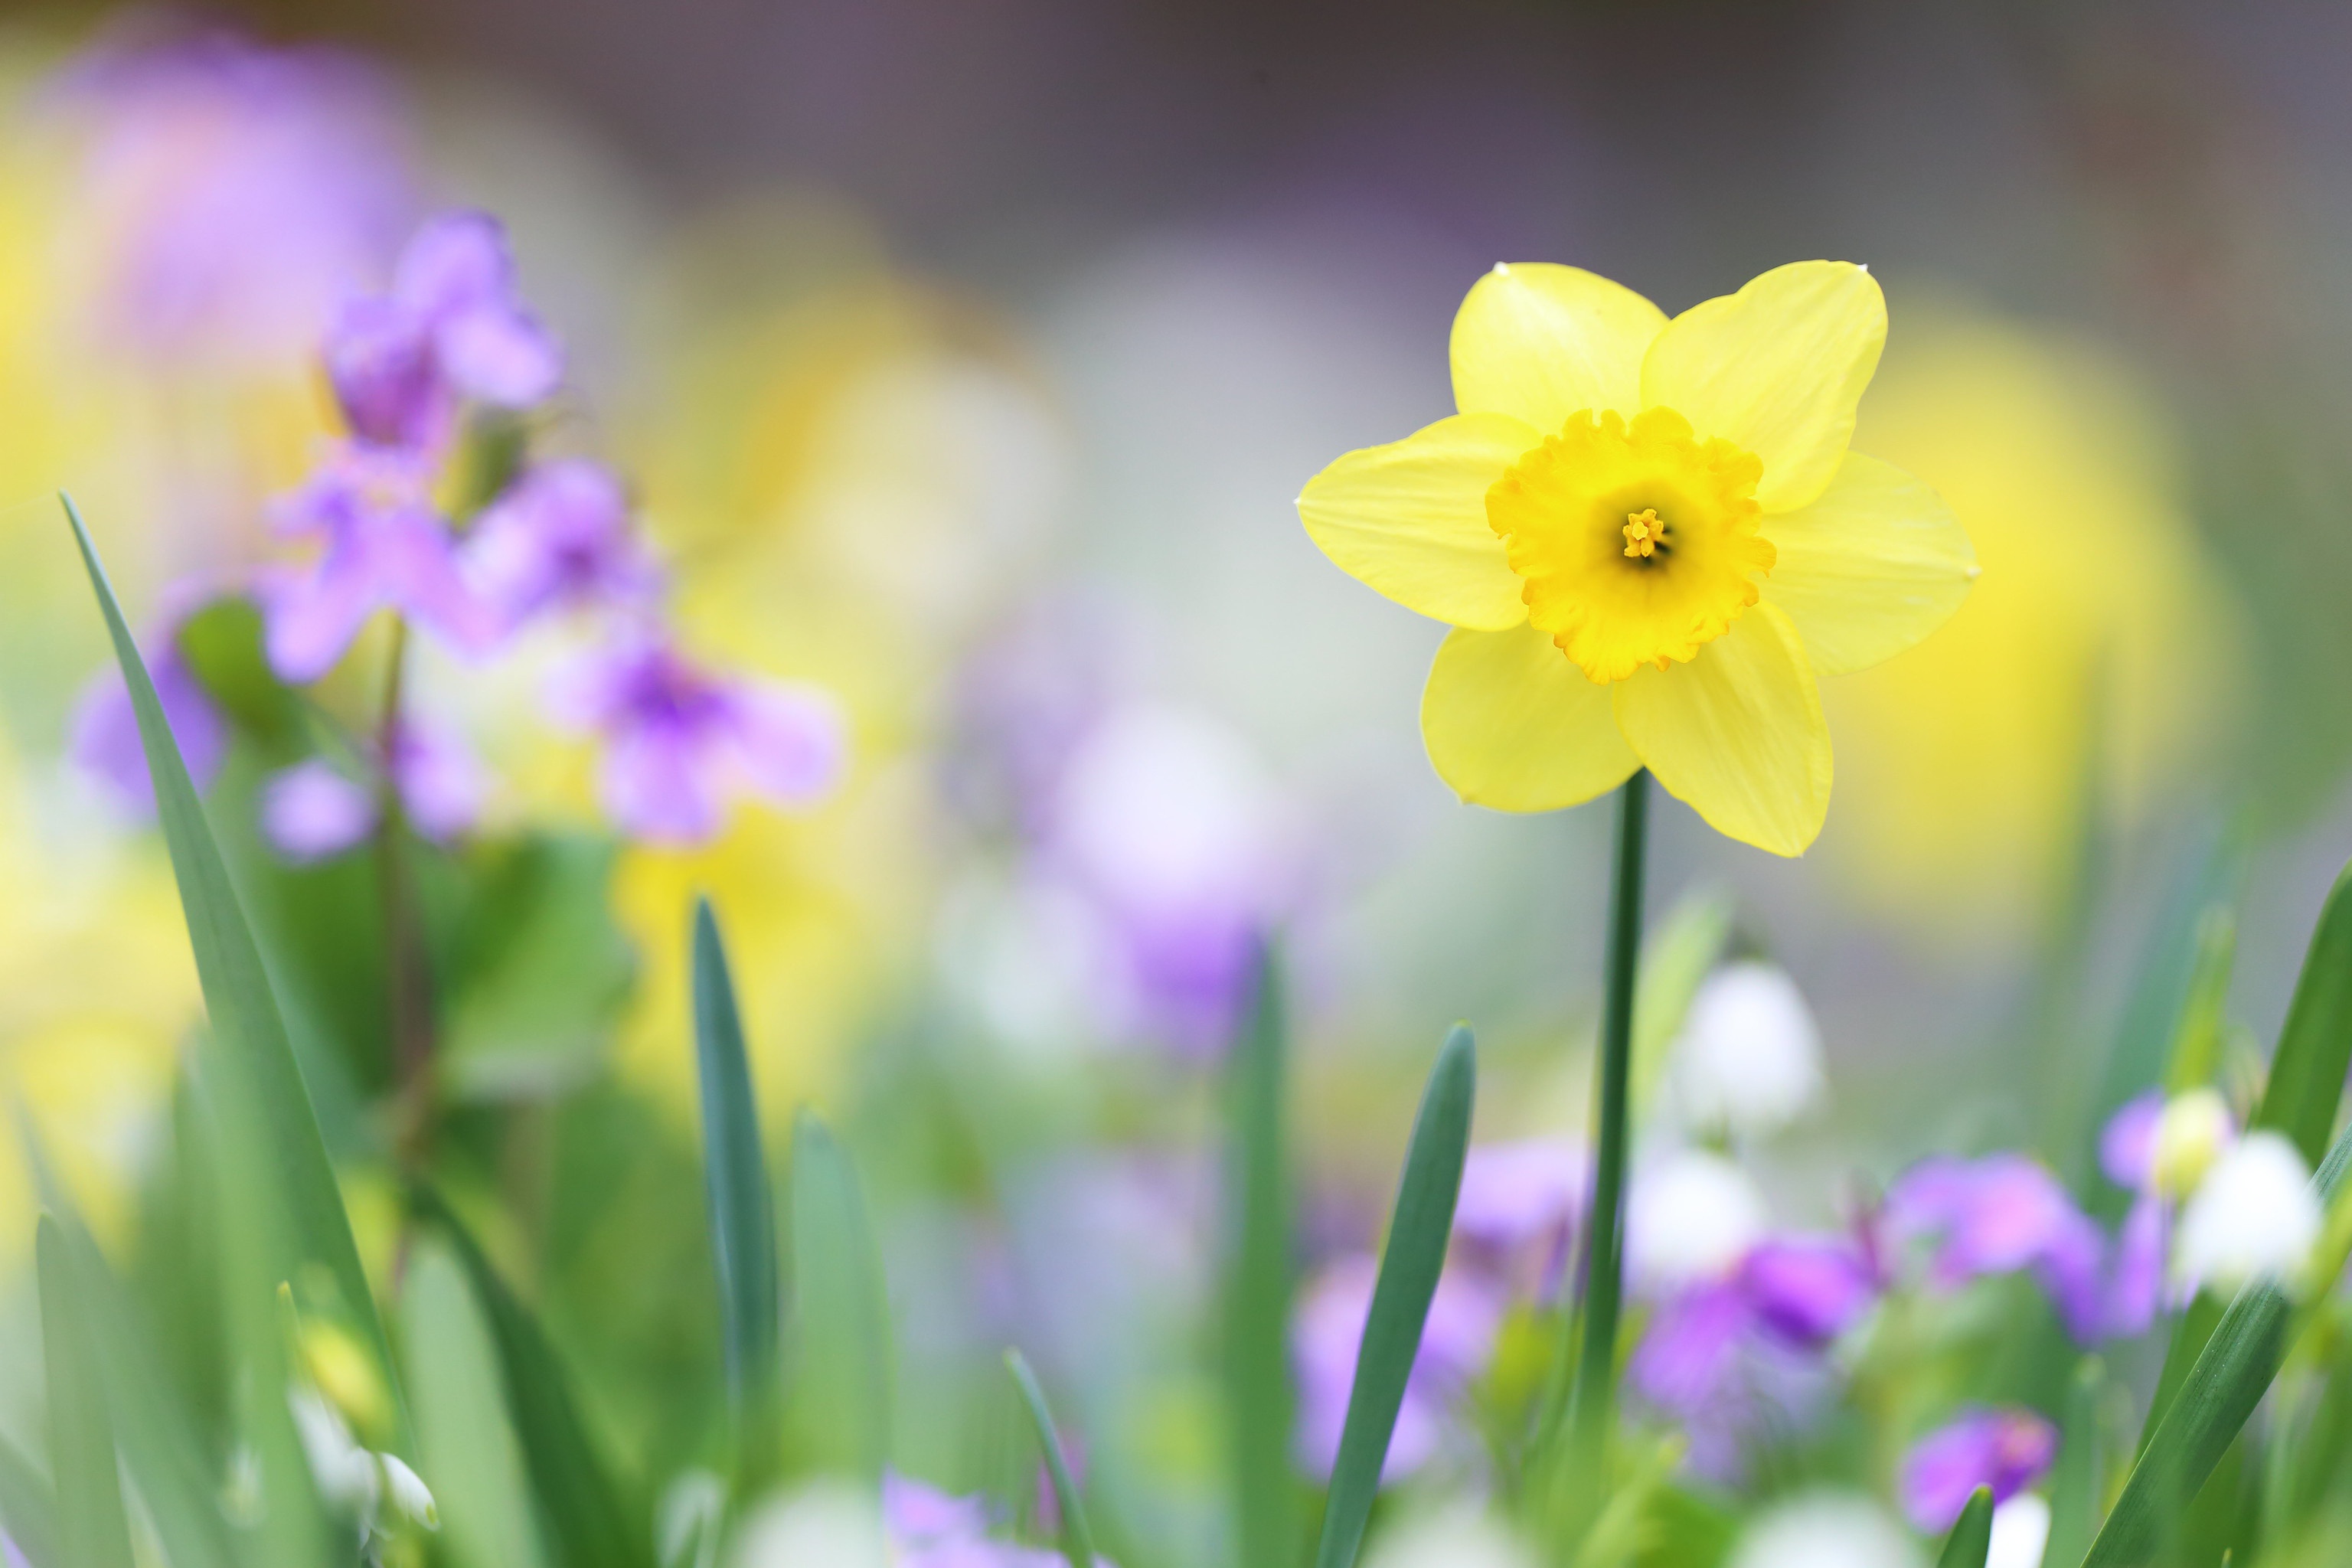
(1650,538)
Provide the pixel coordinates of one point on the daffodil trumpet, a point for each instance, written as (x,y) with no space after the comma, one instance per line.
(1651,540)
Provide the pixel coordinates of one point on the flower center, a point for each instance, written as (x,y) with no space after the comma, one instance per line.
(1636,544)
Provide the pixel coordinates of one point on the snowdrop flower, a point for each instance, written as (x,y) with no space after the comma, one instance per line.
(1692,1217)
(2021,1533)
(1460,1535)
(2253,1216)
(828,1521)
(1826,1529)
(345,1472)
(408,1492)
(1748,1059)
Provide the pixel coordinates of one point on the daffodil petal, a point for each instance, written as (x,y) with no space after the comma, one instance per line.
(1737,732)
(1875,564)
(1409,519)
(1540,342)
(1776,368)
(1510,723)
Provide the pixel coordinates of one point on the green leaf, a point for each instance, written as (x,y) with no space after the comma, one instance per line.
(2217,1395)
(1418,1233)
(1077,1540)
(2077,1481)
(591,1522)
(2197,1037)
(2315,1048)
(237,997)
(28,1509)
(92,1530)
(1258,1282)
(1971,1537)
(159,1438)
(467,1449)
(742,1222)
(841,1314)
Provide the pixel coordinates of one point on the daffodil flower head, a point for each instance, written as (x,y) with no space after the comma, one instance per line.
(1650,538)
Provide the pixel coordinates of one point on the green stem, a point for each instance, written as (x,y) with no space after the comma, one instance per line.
(408,977)
(1592,1408)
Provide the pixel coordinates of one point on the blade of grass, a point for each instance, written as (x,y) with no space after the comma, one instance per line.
(28,1509)
(238,1000)
(1971,1537)
(2077,1490)
(2307,1077)
(466,1441)
(157,1434)
(1077,1540)
(742,1220)
(1418,1233)
(93,1532)
(2315,1048)
(591,1521)
(841,1364)
(1258,1281)
(2218,1393)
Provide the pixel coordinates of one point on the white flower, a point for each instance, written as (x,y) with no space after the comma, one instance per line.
(1826,1529)
(409,1493)
(1460,1535)
(2254,1216)
(1693,1215)
(2194,1131)
(828,1523)
(1748,1059)
(345,1472)
(2021,1533)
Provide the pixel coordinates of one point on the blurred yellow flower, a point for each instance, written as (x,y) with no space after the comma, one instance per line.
(2096,632)
(1602,510)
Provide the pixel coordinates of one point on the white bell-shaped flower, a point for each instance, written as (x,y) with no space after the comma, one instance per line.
(2253,1216)
(1826,1529)
(1749,1058)
(1692,1217)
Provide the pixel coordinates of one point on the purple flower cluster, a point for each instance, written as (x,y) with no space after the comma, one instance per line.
(2007,1450)
(2004,1214)
(416,369)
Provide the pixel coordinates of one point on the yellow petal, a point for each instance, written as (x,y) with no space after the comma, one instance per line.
(1540,342)
(1409,519)
(1776,368)
(1870,568)
(1737,732)
(1510,723)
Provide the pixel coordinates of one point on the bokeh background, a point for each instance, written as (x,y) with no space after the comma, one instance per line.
(966,359)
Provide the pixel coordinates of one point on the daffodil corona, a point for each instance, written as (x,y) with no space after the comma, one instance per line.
(1650,537)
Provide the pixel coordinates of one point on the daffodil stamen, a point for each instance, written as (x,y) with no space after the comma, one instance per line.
(1580,519)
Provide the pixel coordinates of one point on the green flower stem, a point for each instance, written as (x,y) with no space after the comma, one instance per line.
(407,976)
(1593,1404)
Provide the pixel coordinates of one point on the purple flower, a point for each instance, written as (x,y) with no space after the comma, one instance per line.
(559,537)
(451,330)
(681,743)
(928,1528)
(1519,1206)
(2127,1142)
(310,811)
(2006,1450)
(226,195)
(386,548)
(1687,1355)
(1807,1290)
(105,728)
(1328,1331)
(442,783)
(2000,1215)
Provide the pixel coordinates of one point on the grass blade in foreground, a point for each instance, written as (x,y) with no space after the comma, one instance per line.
(28,1510)
(1258,1282)
(237,997)
(1971,1539)
(1077,1540)
(464,1440)
(742,1222)
(1418,1233)
(92,1530)
(2218,1393)
(841,1365)
(591,1522)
